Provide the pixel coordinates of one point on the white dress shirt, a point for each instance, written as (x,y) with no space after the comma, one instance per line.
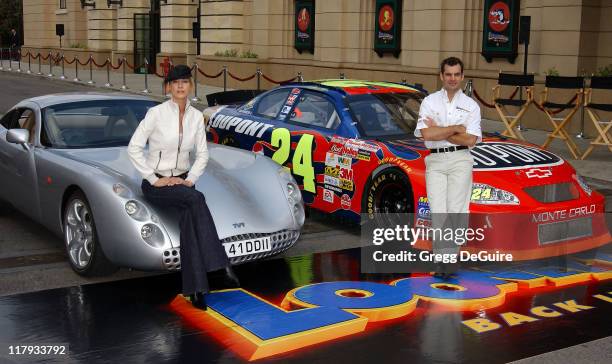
(461,110)
(169,152)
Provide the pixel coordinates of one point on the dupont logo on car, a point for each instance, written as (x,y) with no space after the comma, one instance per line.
(239,125)
(538,173)
(503,156)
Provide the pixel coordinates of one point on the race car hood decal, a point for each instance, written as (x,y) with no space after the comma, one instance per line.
(495,156)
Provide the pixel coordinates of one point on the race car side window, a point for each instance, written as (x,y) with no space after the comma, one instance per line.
(270,104)
(314,109)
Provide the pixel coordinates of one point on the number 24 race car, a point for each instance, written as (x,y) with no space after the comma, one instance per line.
(351,147)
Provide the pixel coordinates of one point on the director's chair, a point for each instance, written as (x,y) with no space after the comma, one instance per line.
(519,82)
(559,123)
(602,126)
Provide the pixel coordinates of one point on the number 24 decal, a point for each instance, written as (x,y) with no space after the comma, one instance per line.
(302,156)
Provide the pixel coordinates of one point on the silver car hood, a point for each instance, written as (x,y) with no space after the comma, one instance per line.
(242,190)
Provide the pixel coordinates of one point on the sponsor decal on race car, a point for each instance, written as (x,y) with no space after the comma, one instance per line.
(423,211)
(346,184)
(328,196)
(333,188)
(397,161)
(239,125)
(504,156)
(538,173)
(332,181)
(363,155)
(345,201)
(558,215)
(344,162)
(331,159)
(332,171)
(291,100)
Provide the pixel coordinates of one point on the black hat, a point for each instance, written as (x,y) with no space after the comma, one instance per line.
(179,72)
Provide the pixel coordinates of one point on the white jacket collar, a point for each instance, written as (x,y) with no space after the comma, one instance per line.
(175,106)
(445,94)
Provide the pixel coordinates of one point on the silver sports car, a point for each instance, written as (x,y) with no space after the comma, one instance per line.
(64,163)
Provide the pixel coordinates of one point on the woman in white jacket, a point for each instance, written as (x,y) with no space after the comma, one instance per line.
(173,130)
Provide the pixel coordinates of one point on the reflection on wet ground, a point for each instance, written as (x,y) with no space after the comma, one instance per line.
(133,321)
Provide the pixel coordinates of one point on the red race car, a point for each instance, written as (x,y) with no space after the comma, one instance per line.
(350,145)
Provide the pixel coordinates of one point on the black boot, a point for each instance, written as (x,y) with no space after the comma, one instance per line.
(198,300)
(230,280)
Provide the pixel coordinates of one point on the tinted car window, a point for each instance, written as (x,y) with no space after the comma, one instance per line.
(385,114)
(315,110)
(93,124)
(271,104)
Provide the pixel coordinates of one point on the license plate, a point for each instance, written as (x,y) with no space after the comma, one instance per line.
(245,247)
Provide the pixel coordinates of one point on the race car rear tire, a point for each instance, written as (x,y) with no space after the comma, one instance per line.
(81,239)
(387,195)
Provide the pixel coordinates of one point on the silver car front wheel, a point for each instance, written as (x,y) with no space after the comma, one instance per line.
(84,252)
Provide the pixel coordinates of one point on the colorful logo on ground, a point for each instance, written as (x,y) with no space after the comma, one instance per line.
(386,18)
(499,16)
(303,20)
(255,328)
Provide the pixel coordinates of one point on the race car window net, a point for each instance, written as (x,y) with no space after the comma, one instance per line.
(92,124)
(270,104)
(385,114)
(315,110)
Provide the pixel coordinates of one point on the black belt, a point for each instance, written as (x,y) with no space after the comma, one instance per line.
(183,176)
(448,149)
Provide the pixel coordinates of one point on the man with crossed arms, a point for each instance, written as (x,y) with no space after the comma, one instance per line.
(449,122)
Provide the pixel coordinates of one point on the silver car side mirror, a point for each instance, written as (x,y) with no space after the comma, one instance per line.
(18,136)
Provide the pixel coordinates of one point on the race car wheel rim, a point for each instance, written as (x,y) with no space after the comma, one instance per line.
(79,233)
(392,198)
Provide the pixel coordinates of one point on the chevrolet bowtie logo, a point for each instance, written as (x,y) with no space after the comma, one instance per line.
(539,173)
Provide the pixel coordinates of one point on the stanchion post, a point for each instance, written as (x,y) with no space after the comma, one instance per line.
(10,59)
(300,78)
(19,61)
(1,59)
(50,65)
(195,83)
(258,79)
(29,63)
(63,76)
(91,81)
(124,86)
(342,77)
(39,64)
(76,68)
(224,78)
(108,83)
(146,89)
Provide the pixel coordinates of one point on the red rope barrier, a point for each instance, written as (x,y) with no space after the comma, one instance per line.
(99,65)
(490,106)
(45,58)
(210,76)
(241,79)
(71,62)
(36,57)
(277,82)
(86,63)
(118,66)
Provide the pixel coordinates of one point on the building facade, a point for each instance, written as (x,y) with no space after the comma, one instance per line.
(571,37)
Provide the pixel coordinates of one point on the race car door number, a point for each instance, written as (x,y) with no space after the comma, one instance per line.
(251,246)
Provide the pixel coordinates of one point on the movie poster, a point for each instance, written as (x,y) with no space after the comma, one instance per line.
(304,25)
(388,27)
(500,29)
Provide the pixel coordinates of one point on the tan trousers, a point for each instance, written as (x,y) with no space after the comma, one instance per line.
(448,177)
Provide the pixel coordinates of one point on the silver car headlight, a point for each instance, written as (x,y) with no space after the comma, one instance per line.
(136,210)
(585,187)
(152,235)
(489,195)
(121,190)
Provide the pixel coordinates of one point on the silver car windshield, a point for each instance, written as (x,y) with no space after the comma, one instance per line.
(385,114)
(92,124)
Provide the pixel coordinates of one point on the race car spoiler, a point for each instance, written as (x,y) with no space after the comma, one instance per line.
(234,97)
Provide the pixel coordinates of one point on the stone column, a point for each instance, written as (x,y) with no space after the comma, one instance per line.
(177,40)
(125,28)
(222,26)
(101,30)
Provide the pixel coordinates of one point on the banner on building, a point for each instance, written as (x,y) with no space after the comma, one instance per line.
(388,27)
(500,29)
(304,25)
